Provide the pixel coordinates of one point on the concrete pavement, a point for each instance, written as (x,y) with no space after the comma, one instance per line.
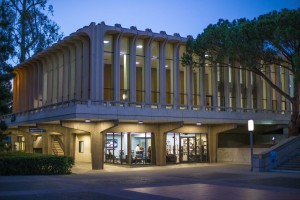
(182,181)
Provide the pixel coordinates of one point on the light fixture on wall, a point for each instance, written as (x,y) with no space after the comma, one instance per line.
(140,122)
(87,120)
(198,124)
(105,42)
(139,46)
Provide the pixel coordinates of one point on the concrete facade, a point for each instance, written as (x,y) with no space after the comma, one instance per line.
(108,79)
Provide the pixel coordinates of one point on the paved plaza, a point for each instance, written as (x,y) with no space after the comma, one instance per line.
(182,181)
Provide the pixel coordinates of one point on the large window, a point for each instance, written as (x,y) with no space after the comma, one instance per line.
(140,71)
(182,75)
(186,147)
(118,149)
(124,69)
(155,72)
(169,73)
(108,68)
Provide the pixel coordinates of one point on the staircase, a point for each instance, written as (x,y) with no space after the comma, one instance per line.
(292,164)
(56,148)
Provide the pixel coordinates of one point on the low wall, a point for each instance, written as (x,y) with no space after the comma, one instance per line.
(237,155)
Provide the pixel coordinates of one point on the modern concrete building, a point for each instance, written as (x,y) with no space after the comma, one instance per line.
(119,95)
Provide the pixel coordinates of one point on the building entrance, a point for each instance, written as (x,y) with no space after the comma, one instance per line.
(186,147)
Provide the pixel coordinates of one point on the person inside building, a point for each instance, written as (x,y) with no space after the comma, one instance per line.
(137,149)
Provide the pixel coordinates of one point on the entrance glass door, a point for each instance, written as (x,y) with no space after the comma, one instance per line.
(188,149)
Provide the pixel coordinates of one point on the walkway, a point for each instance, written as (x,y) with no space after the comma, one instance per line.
(183,181)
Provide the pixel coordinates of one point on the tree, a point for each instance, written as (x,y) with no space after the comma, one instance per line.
(6,49)
(270,39)
(32,31)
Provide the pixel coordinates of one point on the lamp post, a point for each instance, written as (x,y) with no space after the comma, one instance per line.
(251,129)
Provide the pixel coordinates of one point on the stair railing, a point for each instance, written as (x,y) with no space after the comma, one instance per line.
(276,155)
(60,142)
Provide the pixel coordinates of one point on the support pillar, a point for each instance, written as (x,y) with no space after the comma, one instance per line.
(213,139)
(97,131)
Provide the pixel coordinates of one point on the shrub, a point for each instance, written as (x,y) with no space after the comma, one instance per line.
(16,163)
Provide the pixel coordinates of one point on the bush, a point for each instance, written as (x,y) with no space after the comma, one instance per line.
(15,163)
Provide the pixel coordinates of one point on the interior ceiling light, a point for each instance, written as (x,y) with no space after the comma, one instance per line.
(105,42)
(139,46)
(166,66)
(140,122)
(87,120)
(137,63)
(198,123)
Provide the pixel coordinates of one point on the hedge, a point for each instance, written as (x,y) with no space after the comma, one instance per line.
(13,163)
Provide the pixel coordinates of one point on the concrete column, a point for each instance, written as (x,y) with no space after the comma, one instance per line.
(189,85)
(213,139)
(237,86)
(269,89)
(162,72)
(226,87)
(132,69)
(16,92)
(117,39)
(40,84)
(214,79)
(160,148)
(259,92)
(249,90)
(148,70)
(28,142)
(29,87)
(47,144)
(160,141)
(35,86)
(78,71)
(202,87)
(86,69)
(68,137)
(66,69)
(176,75)
(278,83)
(49,80)
(288,83)
(97,131)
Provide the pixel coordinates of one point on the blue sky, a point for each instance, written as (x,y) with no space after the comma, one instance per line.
(186,17)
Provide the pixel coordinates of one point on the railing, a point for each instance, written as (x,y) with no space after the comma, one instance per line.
(276,155)
(141,105)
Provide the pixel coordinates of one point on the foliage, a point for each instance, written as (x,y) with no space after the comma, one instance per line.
(6,49)
(4,144)
(32,30)
(270,39)
(17,163)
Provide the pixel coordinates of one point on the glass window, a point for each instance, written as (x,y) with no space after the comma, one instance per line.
(140,71)
(108,68)
(124,69)
(169,73)
(81,146)
(141,148)
(182,75)
(186,147)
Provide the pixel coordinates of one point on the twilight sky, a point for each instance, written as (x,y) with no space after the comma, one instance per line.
(186,17)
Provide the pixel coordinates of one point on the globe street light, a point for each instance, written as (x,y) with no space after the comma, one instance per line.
(251,129)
